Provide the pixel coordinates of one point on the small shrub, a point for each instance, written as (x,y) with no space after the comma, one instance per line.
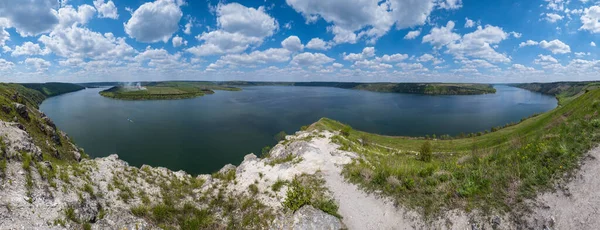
(87,226)
(70,214)
(426,153)
(253,189)
(329,206)
(139,211)
(280,136)
(277,185)
(304,128)
(265,151)
(346,131)
(297,196)
(89,189)
(596,123)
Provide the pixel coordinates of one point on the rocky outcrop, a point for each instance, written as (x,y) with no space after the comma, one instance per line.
(308,218)
(17,140)
(22,111)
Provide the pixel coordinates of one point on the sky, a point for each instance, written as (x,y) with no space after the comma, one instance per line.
(487,41)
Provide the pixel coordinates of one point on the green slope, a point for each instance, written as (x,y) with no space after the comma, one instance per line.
(495,171)
(54,88)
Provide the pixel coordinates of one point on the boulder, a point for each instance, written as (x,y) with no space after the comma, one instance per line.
(77,156)
(6,109)
(22,111)
(227,168)
(86,211)
(56,139)
(49,122)
(307,218)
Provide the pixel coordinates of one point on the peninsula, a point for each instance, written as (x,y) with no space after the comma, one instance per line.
(163,90)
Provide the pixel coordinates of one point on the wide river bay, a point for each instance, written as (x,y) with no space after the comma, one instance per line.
(201,135)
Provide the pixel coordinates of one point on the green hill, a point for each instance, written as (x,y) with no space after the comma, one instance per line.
(54,88)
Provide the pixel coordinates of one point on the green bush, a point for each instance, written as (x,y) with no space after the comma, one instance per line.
(426,153)
(304,128)
(277,185)
(297,196)
(346,130)
(280,136)
(139,211)
(265,151)
(329,206)
(253,189)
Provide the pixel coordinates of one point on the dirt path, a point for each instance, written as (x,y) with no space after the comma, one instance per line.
(577,205)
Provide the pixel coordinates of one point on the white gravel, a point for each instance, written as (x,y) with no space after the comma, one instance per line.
(576,205)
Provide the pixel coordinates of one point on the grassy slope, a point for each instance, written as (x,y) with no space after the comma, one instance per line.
(564,91)
(494,171)
(165,90)
(53,88)
(42,138)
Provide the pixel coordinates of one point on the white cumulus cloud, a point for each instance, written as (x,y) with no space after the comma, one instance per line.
(154,21)
(292,43)
(106,9)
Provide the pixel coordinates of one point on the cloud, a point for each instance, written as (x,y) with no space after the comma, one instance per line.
(188,27)
(317,44)
(367,52)
(412,34)
(450,4)
(178,41)
(370,64)
(6,65)
(292,43)
(478,44)
(392,58)
(469,23)
(38,63)
(4,35)
(555,46)
(76,42)
(160,59)
(29,49)
(591,19)
(520,67)
(68,16)
(442,36)
(31,17)
(154,21)
(370,19)
(311,59)
(593,44)
(429,58)
(545,60)
(106,9)
(529,43)
(273,55)
(238,28)
(552,17)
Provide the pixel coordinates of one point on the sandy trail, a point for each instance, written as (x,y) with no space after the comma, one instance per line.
(359,209)
(577,205)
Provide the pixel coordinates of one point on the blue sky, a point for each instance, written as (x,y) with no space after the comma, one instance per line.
(300,40)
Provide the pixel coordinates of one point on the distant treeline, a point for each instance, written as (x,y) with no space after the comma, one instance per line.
(412,88)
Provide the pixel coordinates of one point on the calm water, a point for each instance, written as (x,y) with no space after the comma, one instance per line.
(201,135)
